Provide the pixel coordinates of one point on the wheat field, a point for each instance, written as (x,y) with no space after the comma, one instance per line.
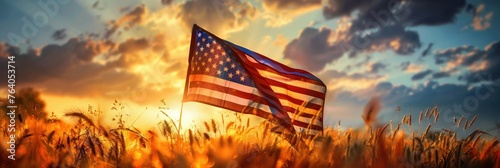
(87,143)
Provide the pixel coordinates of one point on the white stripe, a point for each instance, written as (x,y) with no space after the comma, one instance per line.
(292,82)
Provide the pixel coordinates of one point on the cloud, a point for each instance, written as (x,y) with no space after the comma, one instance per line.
(4,49)
(482,22)
(411,68)
(127,52)
(491,59)
(427,50)
(220,17)
(395,37)
(280,41)
(69,69)
(339,80)
(137,16)
(59,34)
(166,2)
(442,74)
(281,12)
(389,12)
(421,75)
(479,22)
(311,50)
(315,48)
(377,26)
(376,67)
(477,61)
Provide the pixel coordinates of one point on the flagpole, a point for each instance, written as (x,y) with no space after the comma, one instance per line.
(180,118)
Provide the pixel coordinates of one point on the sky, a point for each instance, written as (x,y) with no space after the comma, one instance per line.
(412,54)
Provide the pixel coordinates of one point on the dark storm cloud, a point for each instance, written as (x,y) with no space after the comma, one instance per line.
(59,34)
(421,75)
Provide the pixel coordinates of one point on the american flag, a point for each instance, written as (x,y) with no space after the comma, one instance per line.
(229,76)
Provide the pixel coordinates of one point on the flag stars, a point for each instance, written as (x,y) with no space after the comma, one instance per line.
(205,54)
(207,69)
(203,63)
(242,78)
(212,50)
(201,49)
(214,65)
(209,59)
(228,59)
(226,69)
(233,65)
(221,62)
(207,45)
(203,39)
(238,72)
(223,53)
(219,47)
(198,44)
(214,42)
(219,72)
(216,56)
(209,37)
(230,75)
(199,34)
